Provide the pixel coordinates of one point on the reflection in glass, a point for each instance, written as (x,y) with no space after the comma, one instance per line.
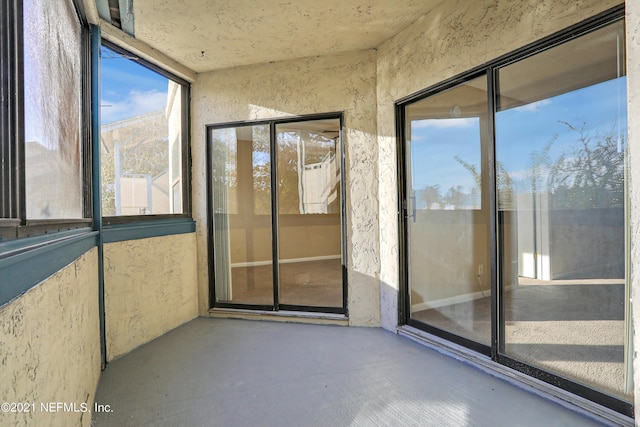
(560,138)
(448,224)
(53,136)
(141,139)
(241,170)
(309,226)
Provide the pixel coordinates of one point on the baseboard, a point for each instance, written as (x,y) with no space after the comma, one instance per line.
(458,299)
(286,261)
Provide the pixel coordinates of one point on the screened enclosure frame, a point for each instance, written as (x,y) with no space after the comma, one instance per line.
(496,349)
(274,216)
(14,222)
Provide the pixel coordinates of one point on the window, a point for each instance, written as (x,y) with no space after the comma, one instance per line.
(526,260)
(45,137)
(143,114)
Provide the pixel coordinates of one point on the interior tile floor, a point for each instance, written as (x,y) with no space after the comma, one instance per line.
(571,327)
(224,372)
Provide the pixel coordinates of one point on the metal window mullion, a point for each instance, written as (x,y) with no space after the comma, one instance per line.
(209,220)
(88,109)
(10,75)
(274,215)
(497,326)
(5,140)
(404,309)
(343,217)
(185,134)
(19,206)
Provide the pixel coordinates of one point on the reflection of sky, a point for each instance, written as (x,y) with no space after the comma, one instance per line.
(524,130)
(519,132)
(128,89)
(435,143)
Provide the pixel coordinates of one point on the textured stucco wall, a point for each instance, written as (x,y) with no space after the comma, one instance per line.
(306,86)
(633,112)
(454,37)
(150,288)
(50,346)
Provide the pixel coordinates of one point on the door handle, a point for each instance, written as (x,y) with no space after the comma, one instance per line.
(413,208)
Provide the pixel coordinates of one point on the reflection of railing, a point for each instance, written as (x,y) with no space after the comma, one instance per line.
(320,187)
(142,193)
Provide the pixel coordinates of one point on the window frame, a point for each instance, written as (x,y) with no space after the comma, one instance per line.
(14,223)
(185,148)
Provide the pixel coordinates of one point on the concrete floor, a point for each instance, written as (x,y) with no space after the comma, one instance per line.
(223,372)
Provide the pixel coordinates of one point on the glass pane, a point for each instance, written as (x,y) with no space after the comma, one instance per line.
(53,110)
(309,213)
(241,183)
(448,227)
(141,139)
(561,143)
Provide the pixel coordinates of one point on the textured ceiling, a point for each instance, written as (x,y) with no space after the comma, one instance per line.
(206,35)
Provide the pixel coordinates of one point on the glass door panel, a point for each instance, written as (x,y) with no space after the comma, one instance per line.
(561,145)
(448,211)
(309,213)
(242,232)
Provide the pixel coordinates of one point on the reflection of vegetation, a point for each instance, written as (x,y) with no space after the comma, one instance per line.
(591,174)
(150,157)
(431,196)
(261,171)
(539,165)
(107,176)
(250,181)
(455,197)
(144,150)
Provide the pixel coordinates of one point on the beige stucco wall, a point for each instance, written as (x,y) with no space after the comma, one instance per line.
(50,346)
(150,288)
(453,38)
(633,112)
(306,86)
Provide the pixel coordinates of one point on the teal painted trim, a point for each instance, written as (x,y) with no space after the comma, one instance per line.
(11,248)
(103,10)
(24,266)
(144,230)
(126,16)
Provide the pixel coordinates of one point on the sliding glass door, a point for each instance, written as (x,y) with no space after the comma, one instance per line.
(448,218)
(276,215)
(514,191)
(310,237)
(561,135)
(241,201)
